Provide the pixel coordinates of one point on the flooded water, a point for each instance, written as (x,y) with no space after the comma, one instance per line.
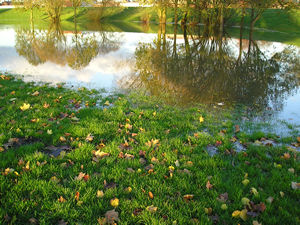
(180,67)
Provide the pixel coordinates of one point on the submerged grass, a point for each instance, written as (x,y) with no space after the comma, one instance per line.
(152,147)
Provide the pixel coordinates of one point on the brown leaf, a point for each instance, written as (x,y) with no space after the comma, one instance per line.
(209,185)
(89,138)
(111,216)
(77,196)
(223,197)
(188,197)
(237,128)
(61,199)
(150,195)
(298,139)
(33,221)
(80,176)
(137,211)
(62,222)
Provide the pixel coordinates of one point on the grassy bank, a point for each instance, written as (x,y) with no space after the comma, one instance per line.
(151,163)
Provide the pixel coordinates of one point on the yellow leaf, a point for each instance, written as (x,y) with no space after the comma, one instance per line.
(254,191)
(236,213)
(1,149)
(245,182)
(245,201)
(114,202)
(151,209)
(224,207)
(243,214)
(107,103)
(49,132)
(201,119)
(25,107)
(100,194)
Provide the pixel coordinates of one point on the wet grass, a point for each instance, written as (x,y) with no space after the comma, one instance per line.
(166,155)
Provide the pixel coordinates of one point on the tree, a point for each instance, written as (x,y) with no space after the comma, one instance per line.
(53,8)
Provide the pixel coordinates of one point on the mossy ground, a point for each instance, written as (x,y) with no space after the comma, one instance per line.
(36,185)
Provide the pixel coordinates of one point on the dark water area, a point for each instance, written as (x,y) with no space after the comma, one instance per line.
(183,66)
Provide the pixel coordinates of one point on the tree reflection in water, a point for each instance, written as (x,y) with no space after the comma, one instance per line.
(51,45)
(205,68)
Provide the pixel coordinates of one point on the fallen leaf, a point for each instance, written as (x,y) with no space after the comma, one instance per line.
(1,149)
(291,170)
(254,191)
(270,200)
(208,211)
(188,197)
(77,196)
(62,139)
(114,202)
(255,222)
(209,185)
(245,201)
(111,216)
(33,221)
(36,93)
(245,182)
(151,209)
(137,211)
(61,199)
(243,214)
(25,107)
(201,119)
(100,194)
(223,197)
(237,128)
(298,139)
(80,176)
(150,195)
(236,213)
(89,138)
(224,207)
(295,185)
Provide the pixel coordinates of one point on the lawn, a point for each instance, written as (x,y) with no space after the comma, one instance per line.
(81,157)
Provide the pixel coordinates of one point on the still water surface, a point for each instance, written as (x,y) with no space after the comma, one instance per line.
(181,68)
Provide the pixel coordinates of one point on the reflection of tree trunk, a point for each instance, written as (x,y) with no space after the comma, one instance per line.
(186,40)
(175,12)
(241,34)
(174,42)
(221,20)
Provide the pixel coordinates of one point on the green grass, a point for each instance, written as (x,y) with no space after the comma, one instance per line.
(33,191)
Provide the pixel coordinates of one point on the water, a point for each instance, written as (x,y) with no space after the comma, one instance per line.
(182,69)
